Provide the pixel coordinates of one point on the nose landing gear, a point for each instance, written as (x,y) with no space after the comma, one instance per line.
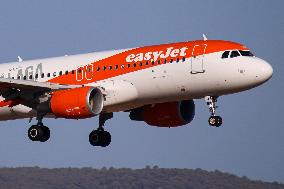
(215,121)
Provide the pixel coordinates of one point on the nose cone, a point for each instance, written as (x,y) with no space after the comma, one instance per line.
(264,71)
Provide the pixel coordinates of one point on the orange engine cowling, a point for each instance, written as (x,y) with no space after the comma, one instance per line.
(76,103)
(170,114)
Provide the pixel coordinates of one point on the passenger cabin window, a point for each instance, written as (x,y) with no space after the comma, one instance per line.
(226,54)
(234,54)
(246,53)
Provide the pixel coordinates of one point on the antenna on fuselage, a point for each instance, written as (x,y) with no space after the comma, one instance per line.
(204,37)
(20,59)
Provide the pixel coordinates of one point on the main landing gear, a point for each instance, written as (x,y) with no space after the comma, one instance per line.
(39,132)
(100,137)
(215,121)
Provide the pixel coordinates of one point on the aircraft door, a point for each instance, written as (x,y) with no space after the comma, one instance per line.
(197,58)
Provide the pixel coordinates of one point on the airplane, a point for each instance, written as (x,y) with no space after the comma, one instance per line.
(154,84)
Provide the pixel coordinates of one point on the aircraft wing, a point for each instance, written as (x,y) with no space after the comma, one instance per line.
(27,84)
(13,88)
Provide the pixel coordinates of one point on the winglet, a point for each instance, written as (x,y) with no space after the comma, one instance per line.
(20,59)
(204,37)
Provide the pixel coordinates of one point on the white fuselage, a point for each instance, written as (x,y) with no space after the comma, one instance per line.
(191,78)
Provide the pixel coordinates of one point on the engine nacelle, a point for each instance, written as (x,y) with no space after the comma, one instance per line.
(170,114)
(76,103)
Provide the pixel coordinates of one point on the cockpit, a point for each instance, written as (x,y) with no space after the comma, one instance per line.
(236,53)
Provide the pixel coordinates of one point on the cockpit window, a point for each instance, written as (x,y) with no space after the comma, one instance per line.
(226,54)
(234,54)
(246,53)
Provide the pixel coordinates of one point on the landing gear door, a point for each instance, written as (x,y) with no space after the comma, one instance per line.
(197,58)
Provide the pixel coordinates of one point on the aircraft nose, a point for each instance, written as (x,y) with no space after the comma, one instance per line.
(264,71)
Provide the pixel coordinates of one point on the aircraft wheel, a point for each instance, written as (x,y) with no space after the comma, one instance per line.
(215,121)
(106,139)
(38,133)
(100,138)
(46,134)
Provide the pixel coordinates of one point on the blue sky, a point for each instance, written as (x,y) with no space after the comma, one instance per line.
(251,141)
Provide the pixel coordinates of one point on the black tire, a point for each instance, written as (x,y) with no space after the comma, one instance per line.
(100,138)
(212,120)
(39,133)
(219,121)
(106,139)
(35,133)
(46,134)
(215,121)
(95,138)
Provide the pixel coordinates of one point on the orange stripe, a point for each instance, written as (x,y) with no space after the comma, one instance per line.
(120,60)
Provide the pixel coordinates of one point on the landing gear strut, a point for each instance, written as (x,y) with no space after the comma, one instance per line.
(215,121)
(100,137)
(39,132)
